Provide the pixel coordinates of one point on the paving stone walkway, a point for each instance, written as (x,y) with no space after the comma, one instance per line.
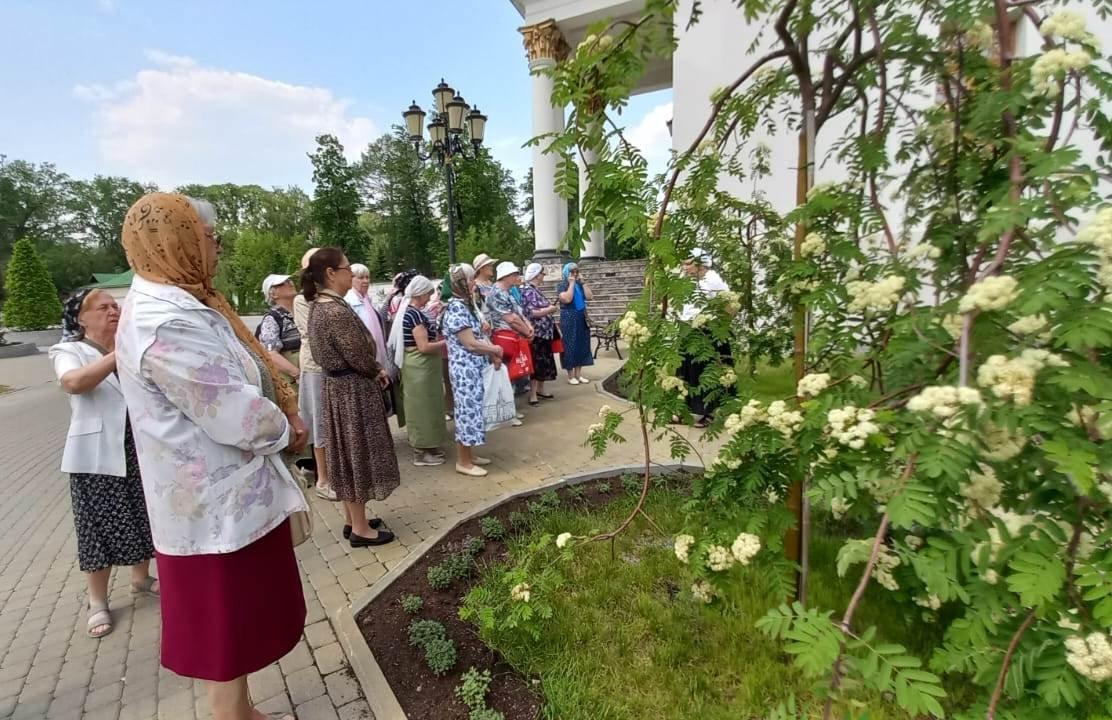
(50,669)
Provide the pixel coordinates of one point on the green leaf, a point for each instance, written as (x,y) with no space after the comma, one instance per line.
(915,504)
(1036,578)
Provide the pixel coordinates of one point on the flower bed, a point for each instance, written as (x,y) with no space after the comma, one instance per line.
(629,634)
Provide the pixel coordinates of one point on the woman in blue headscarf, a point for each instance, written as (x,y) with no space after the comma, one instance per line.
(574,293)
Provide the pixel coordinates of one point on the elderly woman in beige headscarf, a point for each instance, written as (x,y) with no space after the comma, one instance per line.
(211,419)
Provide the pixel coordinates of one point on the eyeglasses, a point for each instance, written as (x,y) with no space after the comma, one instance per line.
(342,267)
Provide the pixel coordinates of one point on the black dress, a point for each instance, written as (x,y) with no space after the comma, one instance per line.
(110,515)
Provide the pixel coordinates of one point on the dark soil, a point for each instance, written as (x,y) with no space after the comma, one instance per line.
(422,695)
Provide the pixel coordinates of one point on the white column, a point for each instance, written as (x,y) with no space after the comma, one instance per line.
(549,209)
(595,248)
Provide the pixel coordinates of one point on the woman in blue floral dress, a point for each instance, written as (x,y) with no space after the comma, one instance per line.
(574,294)
(469,351)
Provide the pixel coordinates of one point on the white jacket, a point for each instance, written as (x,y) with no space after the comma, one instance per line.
(208,440)
(95,442)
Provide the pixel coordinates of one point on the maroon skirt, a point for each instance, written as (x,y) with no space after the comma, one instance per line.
(224,616)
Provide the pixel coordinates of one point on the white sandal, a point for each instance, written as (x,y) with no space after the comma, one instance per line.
(473,471)
(99,616)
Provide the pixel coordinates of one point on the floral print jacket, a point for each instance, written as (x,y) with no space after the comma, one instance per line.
(208,439)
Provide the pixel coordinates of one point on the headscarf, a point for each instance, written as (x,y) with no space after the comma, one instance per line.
(418,285)
(71,329)
(702,257)
(533,270)
(461,276)
(164,239)
(578,300)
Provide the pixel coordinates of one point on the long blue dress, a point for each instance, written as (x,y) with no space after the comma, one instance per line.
(576,334)
(465,369)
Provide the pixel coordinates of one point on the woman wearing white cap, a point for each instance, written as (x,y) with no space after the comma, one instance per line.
(278,332)
(416,348)
(540,310)
(708,283)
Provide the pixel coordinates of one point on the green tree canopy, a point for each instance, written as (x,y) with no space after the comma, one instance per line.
(97,209)
(336,202)
(33,302)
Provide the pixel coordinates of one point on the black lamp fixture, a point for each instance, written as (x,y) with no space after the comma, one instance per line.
(451,118)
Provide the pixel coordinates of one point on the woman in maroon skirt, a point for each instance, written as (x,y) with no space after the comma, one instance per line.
(211,417)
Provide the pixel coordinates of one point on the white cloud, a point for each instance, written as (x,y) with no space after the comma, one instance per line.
(181,122)
(651,135)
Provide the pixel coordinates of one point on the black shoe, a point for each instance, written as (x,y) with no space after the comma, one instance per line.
(534,403)
(375,524)
(383,537)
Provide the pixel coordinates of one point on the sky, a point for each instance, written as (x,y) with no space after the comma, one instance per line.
(203,91)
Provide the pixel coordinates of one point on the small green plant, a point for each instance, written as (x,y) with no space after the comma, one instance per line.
(576,494)
(536,509)
(473,689)
(493,528)
(486,714)
(412,604)
(550,500)
(473,545)
(603,487)
(440,650)
(632,484)
(459,564)
(439,577)
(518,520)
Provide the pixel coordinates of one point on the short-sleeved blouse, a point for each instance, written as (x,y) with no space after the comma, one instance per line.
(413,318)
(533,300)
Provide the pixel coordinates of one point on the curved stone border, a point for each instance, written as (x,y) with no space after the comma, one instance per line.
(18,349)
(601,390)
(384,704)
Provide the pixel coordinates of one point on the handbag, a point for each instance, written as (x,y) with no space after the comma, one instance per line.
(522,363)
(301,521)
(557,342)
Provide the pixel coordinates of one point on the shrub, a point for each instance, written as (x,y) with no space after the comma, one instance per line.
(575,493)
(493,528)
(473,546)
(430,636)
(32,300)
(550,500)
(459,564)
(632,484)
(412,604)
(518,520)
(473,689)
(603,487)
(486,714)
(439,577)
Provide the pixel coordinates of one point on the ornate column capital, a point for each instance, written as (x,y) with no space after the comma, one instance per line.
(544,41)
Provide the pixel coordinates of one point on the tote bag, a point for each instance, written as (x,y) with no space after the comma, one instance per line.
(498,397)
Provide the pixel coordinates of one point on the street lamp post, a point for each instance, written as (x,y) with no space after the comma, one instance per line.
(445,142)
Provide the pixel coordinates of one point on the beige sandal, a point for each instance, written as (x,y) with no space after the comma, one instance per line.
(473,471)
(99,617)
(145,587)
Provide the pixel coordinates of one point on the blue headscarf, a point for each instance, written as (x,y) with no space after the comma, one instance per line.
(579,302)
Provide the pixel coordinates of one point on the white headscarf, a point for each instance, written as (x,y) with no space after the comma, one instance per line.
(702,257)
(419,285)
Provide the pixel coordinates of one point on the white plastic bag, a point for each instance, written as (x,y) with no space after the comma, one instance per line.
(498,397)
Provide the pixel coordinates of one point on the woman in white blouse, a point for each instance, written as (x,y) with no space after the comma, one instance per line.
(211,417)
(109,512)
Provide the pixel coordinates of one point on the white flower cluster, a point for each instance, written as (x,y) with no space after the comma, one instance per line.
(1091,656)
(703,591)
(731,299)
(931,602)
(1002,445)
(839,507)
(1014,378)
(804,286)
(1066,622)
(813,244)
(727,378)
(1013,524)
(700,320)
(914,542)
(980,35)
(1029,325)
(851,425)
(952,325)
(521,592)
(631,330)
(1053,64)
(1098,233)
(1068,25)
(811,385)
(821,189)
(882,295)
(671,382)
(562,540)
(787,422)
(745,546)
(992,293)
(772,496)
(983,489)
(924,250)
(719,558)
(886,562)
(858,381)
(943,400)
(682,547)
(595,428)
(752,413)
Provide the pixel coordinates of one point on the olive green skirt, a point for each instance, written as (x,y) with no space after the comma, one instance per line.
(423,390)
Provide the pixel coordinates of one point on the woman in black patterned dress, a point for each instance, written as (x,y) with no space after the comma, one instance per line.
(109,510)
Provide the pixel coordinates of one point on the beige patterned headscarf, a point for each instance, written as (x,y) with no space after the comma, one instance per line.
(165,242)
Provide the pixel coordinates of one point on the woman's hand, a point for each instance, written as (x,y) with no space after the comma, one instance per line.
(486,327)
(496,356)
(298,433)
(383,379)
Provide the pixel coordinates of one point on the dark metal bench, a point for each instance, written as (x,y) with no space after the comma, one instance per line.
(606,336)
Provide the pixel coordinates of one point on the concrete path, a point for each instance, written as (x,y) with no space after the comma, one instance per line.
(50,669)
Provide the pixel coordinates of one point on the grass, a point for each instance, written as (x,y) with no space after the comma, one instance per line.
(627,641)
(768,383)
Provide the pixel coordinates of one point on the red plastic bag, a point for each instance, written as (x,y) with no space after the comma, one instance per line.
(516,353)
